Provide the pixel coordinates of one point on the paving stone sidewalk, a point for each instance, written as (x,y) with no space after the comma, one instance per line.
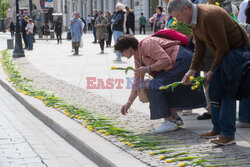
(26,142)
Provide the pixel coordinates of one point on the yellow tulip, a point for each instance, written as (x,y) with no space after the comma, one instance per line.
(122,139)
(193,87)
(84,124)
(101,131)
(55,106)
(162,88)
(139,149)
(132,145)
(181,164)
(113,68)
(169,160)
(106,134)
(175,19)
(191,78)
(89,127)
(151,153)
(217,3)
(86,120)
(197,83)
(161,157)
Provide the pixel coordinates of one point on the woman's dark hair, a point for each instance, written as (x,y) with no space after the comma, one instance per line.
(126,41)
(160,8)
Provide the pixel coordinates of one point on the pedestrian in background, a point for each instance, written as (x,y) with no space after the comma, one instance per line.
(242,7)
(24,23)
(58,30)
(101,25)
(109,18)
(119,24)
(89,23)
(158,19)
(76,28)
(29,30)
(12,29)
(130,23)
(95,15)
(142,23)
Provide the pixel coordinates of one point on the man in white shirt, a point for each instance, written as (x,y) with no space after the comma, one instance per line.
(242,16)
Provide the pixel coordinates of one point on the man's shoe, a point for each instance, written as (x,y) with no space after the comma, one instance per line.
(186,112)
(242,125)
(94,42)
(179,122)
(209,135)
(223,141)
(102,52)
(165,127)
(204,116)
(76,54)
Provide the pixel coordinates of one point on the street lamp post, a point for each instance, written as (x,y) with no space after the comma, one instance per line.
(18,51)
(30,6)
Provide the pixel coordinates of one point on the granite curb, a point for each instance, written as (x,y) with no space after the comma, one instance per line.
(108,155)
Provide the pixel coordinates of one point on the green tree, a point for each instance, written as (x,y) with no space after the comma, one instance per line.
(4,6)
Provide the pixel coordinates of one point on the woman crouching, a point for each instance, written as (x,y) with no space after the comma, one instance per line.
(167,62)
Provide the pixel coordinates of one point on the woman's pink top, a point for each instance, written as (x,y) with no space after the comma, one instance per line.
(156,50)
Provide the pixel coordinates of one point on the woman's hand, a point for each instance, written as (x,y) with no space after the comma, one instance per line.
(208,76)
(186,80)
(141,71)
(125,107)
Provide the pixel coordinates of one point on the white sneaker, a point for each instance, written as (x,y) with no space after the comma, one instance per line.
(118,59)
(242,125)
(186,112)
(179,122)
(165,127)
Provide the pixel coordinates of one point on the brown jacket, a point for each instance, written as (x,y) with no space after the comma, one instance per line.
(218,32)
(101,25)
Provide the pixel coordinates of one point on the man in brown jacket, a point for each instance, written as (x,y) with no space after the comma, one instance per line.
(213,28)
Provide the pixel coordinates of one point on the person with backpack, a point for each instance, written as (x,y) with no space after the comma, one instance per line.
(167,61)
(58,30)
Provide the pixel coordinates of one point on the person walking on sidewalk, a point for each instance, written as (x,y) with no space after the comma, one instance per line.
(76,29)
(95,15)
(142,23)
(159,19)
(109,18)
(226,39)
(29,30)
(119,24)
(24,22)
(12,29)
(58,30)
(101,25)
(130,23)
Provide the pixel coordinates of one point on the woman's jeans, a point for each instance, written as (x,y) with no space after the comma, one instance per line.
(224,116)
(30,38)
(116,35)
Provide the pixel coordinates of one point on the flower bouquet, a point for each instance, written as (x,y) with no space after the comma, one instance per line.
(196,84)
(181,27)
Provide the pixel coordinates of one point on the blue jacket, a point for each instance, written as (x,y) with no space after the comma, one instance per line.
(229,77)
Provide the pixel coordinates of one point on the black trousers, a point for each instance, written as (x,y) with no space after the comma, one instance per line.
(142,27)
(25,39)
(108,42)
(58,36)
(132,28)
(102,44)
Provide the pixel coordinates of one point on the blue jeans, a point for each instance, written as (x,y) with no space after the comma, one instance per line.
(116,35)
(224,116)
(30,41)
(244,111)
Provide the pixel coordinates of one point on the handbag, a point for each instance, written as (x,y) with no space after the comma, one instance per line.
(69,36)
(142,90)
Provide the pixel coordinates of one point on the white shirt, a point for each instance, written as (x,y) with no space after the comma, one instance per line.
(242,17)
(235,10)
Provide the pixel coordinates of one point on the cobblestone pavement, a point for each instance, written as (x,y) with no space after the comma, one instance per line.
(26,142)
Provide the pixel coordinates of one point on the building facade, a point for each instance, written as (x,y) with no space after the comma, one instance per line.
(85,7)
